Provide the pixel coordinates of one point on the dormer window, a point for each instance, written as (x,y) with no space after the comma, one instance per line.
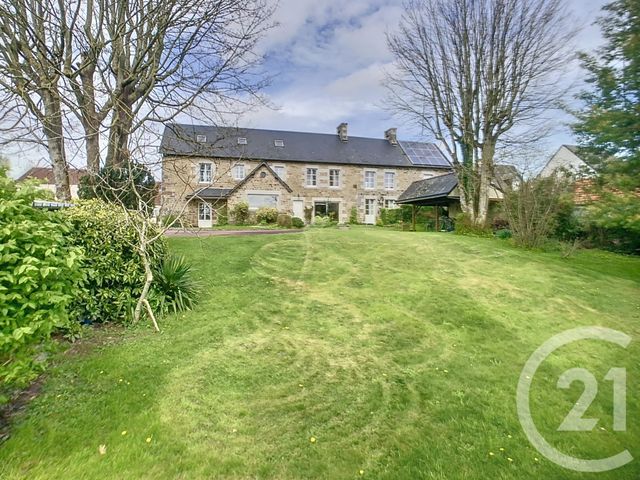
(242,141)
(278,143)
(201,138)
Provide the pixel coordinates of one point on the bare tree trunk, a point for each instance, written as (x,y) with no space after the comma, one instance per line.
(119,132)
(91,121)
(486,175)
(52,125)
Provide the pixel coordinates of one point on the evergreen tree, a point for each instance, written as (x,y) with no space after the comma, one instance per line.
(609,126)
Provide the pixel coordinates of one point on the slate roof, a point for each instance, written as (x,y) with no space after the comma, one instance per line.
(429,188)
(210,193)
(222,142)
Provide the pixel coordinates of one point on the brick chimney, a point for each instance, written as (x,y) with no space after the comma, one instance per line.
(391,136)
(342,131)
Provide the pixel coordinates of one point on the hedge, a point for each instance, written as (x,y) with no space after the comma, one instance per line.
(114,270)
(40,273)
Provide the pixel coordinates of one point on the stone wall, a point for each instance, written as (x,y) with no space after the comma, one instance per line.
(180,178)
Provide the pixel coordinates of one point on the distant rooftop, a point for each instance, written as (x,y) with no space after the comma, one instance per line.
(46,175)
(287,146)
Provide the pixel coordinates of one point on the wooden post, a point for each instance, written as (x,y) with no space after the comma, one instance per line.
(437,218)
(413,218)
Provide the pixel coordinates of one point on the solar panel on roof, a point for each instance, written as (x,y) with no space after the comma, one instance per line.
(424,154)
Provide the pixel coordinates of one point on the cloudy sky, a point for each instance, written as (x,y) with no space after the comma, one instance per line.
(328,58)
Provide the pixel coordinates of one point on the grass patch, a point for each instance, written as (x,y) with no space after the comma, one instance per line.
(399,353)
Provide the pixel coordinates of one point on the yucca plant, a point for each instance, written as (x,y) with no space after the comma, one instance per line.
(175,289)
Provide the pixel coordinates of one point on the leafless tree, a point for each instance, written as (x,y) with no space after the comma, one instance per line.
(117,66)
(532,208)
(475,73)
(32,48)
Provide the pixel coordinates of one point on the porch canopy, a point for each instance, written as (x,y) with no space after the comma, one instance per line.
(210,194)
(431,192)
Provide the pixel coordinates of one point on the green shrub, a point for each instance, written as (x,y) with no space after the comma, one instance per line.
(463,226)
(115,273)
(297,222)
(284,220)
(40,274)
(222,216)
(568,226)
(267,215)
(240,213)
(323,222)
(503,234)
(394,216)
(174,288)
(353,216)
(613,222)
(171,220)
(127,185)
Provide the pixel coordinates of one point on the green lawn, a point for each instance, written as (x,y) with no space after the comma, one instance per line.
(399,353)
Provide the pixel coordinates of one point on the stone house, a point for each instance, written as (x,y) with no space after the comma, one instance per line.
(209,170)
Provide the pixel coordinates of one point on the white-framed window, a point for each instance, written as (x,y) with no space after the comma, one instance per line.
(334,177)
(390,203)
(204,211)
(242,140)
(201,138)
(205,172)
(259,200)
(278,143)
(238,171)
(311,177)
(389,180)
(280,171)
(369,206)
(369,179)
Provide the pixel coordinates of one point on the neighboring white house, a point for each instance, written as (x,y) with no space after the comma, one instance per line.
(567,159)
(45,176)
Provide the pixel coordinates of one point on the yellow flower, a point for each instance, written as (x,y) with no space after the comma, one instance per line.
(148,439)
(536,459)
(124,432)
(312,439)
(510,459)
(300,385)
(508,436)
(491,454)
(361,472)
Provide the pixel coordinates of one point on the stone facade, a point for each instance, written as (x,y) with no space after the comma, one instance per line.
(181,179)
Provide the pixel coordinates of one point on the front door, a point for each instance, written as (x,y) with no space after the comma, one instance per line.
(298,209)
(204,215)
(370,211)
